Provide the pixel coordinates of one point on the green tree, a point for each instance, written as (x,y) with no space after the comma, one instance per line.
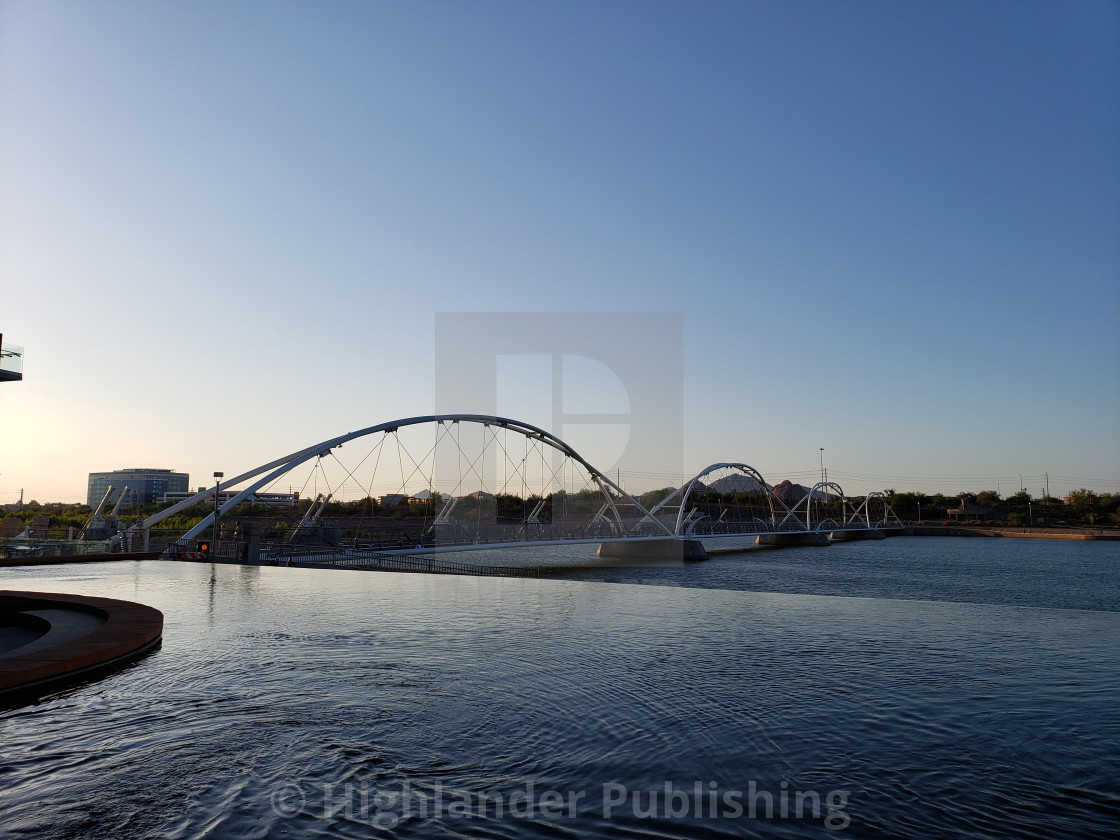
(941,502)
(988,499)
(1077,502)
(1090,508)
(651,498)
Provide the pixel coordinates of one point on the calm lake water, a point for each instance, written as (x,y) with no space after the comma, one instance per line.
(902,688)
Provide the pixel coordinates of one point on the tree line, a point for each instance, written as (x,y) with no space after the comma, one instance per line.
(1079,508)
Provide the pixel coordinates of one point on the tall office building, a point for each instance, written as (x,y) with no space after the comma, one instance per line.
(145,485)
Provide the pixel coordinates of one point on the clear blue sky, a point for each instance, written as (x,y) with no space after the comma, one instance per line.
(892,228)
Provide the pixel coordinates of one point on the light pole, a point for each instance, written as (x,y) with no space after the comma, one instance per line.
(822,465)
(919,513)
(218,476)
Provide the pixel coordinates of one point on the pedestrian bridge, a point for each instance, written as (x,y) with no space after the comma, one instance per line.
(459,482)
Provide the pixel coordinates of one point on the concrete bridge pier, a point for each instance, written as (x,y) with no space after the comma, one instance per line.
(862,534)
(670,548)
(794,538)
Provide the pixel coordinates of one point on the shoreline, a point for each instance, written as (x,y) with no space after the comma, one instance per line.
(1014,531)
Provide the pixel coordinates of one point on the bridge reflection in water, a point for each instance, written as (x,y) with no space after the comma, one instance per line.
(482,481)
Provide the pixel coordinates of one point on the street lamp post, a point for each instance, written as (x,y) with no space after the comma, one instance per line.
(218,476)
(919,513)
(822,465)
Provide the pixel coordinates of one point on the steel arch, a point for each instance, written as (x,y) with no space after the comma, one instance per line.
(685,490)
(274,469)
(865,509)
(807,502)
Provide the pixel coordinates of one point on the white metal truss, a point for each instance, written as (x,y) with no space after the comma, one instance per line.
(820,489)
(687,518)
(861,518)
(266,474)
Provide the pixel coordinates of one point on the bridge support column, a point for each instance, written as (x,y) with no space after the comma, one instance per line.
(669,548)
(252,537)
(857,534)
(794,538)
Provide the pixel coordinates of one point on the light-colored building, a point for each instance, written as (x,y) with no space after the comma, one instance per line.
(274,499)
(427,495)
(11,362)
(970,511)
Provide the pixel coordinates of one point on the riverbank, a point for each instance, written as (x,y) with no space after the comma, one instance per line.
(54,559)
(1013,531)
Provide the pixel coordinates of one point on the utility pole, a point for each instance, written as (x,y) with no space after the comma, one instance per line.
(822,465)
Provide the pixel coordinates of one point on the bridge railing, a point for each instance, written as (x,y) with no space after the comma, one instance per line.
(751,526)
(347,558)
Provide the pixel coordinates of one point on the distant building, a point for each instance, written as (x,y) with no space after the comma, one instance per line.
(11,362)
(972,511)
(274,499)
(427,495)
(393,500)
(145,485)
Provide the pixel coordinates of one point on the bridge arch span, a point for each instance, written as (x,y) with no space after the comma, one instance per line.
(861,516)
(802,512)
(684,525)
(244,486)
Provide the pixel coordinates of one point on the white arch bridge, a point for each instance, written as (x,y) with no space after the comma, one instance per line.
(458,482)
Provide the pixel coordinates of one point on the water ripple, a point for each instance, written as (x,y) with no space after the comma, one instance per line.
(296,703)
